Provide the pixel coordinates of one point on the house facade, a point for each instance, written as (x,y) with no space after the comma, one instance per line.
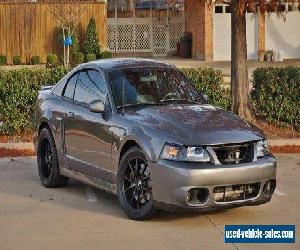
(142,27)
(148,28)
(153,28)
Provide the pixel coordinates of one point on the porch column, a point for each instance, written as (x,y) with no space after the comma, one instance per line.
(199,22)
(261,31)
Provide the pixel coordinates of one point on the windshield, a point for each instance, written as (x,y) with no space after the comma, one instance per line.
(152,86)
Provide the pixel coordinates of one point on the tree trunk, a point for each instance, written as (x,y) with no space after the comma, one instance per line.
(68,56)
(65,62)
(64,38)
(239,69)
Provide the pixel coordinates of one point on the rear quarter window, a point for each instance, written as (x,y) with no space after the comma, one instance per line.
(59,88)
(70,87)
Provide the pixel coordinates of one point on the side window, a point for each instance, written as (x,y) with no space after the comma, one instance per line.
(58,88)
(69,90)
(90,87)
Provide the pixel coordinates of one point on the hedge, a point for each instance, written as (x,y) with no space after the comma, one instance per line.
(18,93)
(209,82)
(90,57)
(276,95)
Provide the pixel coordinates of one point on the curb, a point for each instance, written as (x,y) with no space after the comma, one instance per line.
(284,142)
(17,146)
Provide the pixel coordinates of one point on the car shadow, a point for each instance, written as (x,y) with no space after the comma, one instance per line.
(22,172)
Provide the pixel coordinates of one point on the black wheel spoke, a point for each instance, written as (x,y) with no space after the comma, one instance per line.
(131,168)
(132,197)
(144,169)
(128,179)
(136,166)
(129,188)
(146,178)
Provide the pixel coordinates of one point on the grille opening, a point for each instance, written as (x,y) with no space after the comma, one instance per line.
(236,192)
(234,154)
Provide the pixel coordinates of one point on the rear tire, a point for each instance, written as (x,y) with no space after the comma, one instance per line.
(134,185)
(48,165)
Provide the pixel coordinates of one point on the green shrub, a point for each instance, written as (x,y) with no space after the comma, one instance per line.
(18,93)
(106,54)
(91,42)
(209,82)
(17,60)
(78,58)
(52,60)
(3,60)
(90,57)
(276,95)
(35,60)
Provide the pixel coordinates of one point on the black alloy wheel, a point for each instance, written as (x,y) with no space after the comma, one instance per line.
(48,164)
(134,185)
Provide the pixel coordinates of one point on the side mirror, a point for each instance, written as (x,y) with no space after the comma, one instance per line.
(205,97)
(97,106)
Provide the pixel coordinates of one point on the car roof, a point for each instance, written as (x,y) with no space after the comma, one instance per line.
(123,63)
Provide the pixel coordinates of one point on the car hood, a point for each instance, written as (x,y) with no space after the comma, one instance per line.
(194,124)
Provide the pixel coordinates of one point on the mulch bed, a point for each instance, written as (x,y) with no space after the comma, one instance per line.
(291,149)
(15,153)
(276,132)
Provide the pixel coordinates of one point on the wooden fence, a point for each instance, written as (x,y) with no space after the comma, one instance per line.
(29,29)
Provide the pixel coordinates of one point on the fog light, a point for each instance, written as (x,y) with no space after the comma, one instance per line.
(190,195)
(197,196)
(202,195)
(269,187)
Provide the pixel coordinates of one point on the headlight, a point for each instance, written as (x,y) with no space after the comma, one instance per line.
(262,148)
(176,152)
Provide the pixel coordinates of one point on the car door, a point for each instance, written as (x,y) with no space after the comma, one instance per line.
(68,114)
(87,134)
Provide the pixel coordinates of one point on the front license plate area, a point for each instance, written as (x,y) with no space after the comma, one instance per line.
(236,192)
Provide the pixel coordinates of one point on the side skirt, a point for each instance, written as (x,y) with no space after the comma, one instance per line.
(108,187)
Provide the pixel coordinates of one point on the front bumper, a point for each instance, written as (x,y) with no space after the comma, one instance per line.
(171,181)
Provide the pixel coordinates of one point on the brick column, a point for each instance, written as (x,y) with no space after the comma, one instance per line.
(198,21)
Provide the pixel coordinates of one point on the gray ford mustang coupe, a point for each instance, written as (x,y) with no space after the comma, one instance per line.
(139,129)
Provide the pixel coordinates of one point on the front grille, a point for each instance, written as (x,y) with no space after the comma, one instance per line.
(236,192)
(235,153)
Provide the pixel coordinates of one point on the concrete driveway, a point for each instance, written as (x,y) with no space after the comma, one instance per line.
(80,217)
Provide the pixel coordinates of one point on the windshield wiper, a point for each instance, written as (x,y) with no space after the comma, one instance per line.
(137,104)
(180,100)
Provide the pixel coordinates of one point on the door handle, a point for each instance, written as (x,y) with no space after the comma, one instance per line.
(71,115)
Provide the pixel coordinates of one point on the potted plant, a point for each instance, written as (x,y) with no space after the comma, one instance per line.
(269,55)
(261,55)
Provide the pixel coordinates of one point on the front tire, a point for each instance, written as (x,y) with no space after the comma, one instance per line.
(134,185)
(48,165)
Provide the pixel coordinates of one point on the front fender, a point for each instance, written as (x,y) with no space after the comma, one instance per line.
(150,145)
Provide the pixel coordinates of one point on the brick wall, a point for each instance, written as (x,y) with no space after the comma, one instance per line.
(200,23)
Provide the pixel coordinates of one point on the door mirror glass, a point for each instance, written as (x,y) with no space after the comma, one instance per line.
(205,97)
(97,106)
